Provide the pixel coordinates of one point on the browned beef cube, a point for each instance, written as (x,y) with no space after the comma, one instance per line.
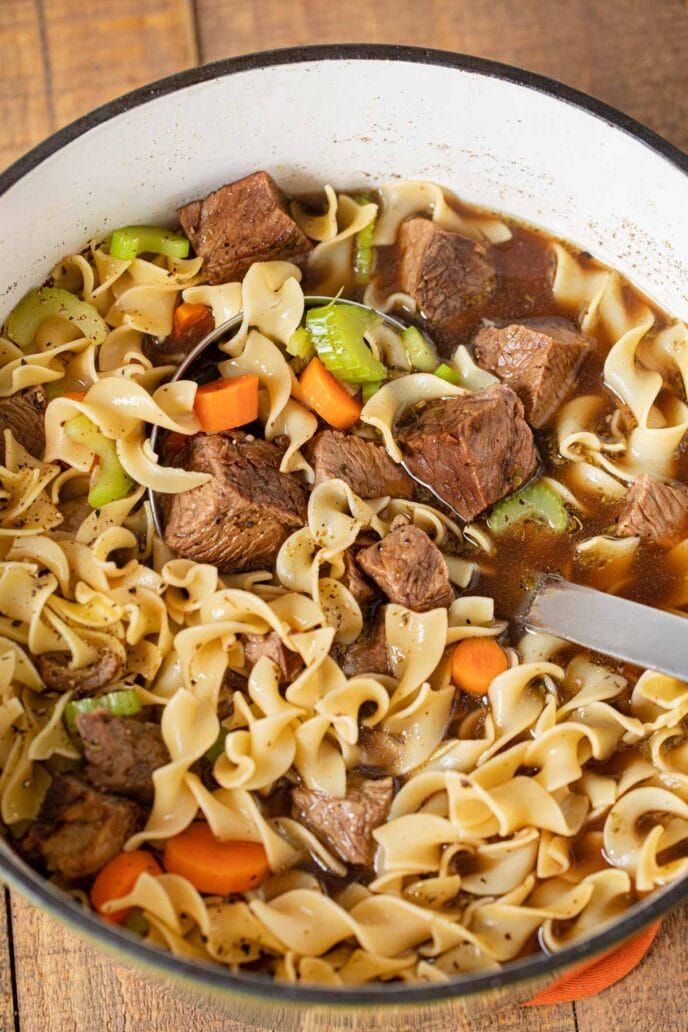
(271,645)
(241,223)
(538,359)
(448,275)
(346,825)
(364,465)
(174,349)
(24,414)
(471,450)
(353,579)
(74,511)
(122,753)
(57,674)
(410,569)
(232,682)
(241,517)
(655,511)
(368,655)
(78,828)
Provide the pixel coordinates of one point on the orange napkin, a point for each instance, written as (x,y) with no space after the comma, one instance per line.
(594,976)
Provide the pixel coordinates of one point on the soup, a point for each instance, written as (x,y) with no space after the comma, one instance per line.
(294,723)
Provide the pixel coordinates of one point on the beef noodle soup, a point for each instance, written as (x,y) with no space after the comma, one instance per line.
(303,730)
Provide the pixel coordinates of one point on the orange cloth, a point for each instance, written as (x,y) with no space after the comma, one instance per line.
(595,976)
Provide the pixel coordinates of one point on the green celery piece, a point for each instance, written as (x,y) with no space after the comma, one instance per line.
(218,746)
(300,344)
(368,389)
(121,704)
(129,241)
(48,302)
(446,372)
(421,353)
(109,481)
(364,252)
(537,502)
(337,334)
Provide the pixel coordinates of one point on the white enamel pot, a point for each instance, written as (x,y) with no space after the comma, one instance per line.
(353,116)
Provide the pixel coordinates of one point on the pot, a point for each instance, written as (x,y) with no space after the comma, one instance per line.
(353,116)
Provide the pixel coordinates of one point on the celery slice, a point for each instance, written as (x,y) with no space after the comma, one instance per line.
(537,502)
(364,252)
(109,481)
(337,334)
(368,389)
(129,241)
(445,372)
(218,746)
(300,344)
(121,704)
(48,302)
(421,353)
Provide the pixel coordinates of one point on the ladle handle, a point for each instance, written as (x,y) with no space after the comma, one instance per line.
(649,638)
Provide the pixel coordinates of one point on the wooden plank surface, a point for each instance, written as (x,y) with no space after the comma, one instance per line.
(58,58)
(631,53)
(7,1011)
(25,106)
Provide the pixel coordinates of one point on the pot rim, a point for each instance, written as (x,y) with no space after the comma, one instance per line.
(214,977)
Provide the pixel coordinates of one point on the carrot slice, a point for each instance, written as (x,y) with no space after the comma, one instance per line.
(187,315)
(74,395)
(223,404)
(118,878)
(214,866)
(326,396)
(475,664)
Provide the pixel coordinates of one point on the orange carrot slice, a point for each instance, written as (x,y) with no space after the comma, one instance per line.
(187,315)
(118,877)
(214,866)
(475,664)
(224,404)
(326,396)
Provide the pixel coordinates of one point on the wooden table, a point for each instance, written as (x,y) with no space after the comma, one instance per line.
(58,58)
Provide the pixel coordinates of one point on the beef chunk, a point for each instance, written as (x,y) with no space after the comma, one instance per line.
(57,674)
(346,825)
(655,511)
(410,569)
(241,517)
(368,655)
(122,753)
(364,465)
(24,414)
(232,682)
(74,511)
(79,829)
(471,450)
(538,359)
(353,579)
(290,663)
(173,349)
(241,223)
(447,274)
